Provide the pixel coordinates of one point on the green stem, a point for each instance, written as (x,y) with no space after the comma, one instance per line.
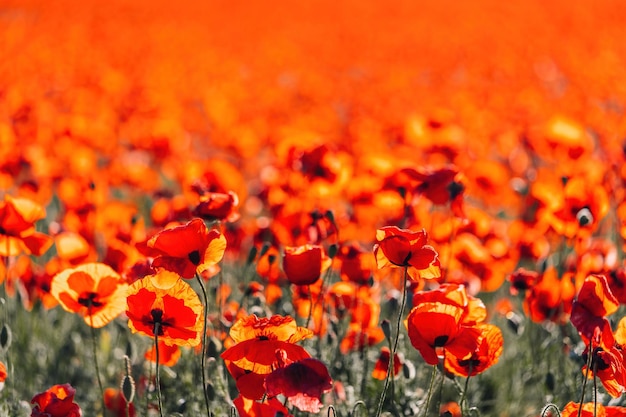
(430,389)
(158,378)
(395,344)
(582,394)
(95,356)
(465,388)
(203,349)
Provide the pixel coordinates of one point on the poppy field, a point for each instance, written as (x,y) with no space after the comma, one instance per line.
(342,209)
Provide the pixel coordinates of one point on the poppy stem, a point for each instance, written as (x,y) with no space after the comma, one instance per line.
(390,368)
(158,377)
(582,394)
(95,356)
(464,395)
(430,389)
(203,349)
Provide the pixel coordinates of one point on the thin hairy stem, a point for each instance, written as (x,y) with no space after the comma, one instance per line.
(158,378)
(203,348)
(95,355)
(395,344)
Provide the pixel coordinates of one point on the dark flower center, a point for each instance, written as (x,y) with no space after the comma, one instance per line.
(89,300)
(194,257)
(440,341)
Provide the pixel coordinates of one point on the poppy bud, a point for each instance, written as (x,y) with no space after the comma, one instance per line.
(332,250)
(251,255)
(386,326)
(5,337)
(266,246)
(303,264)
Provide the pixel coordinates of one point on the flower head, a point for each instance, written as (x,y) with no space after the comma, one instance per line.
(56,401)
(165,304)
(188,249)
(94,291)
(406,248)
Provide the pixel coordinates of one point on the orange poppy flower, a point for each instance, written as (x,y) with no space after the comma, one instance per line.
(382,364)
(94,291)
(17,227)
(486,354)
(435,326)
(303,382)
(168,354)
(357,337)
(550,298)
(271,407)
(56,401)
(595,301)
(356,263)
(257,339)
(303,265)
(168,301)
(451,409)
(405,248)
(218,206)
(3,374)
(115,402)
(609,367)
(592,410)
(188,249)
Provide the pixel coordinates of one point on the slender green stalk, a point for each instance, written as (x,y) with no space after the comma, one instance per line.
(158,377)
(95,356)
(430,389)
(582,394)
(394,346)
(203,349)
(465,388)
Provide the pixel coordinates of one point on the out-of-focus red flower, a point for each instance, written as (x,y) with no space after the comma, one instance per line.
(218,206)
(17,227)
(381,366)
(188,249)
(115,402)
(550,298)
(356,264)
(451,409)
(303,382)
(522,280)
(56,401)
(3,374)
(168,355)
(592,410)
(406,248)
(303,265)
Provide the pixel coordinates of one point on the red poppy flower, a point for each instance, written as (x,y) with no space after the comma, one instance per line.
(405,248)
(609,368)
(357,337)
(3,374)
(168,301)
(218,206)
(115,402)
(168,355)
(271,407)
(486,354)
(257,340)
(188,249)
(303,265)
(595,301)
(94,291)
(356,264)
(57,401)
(17,227)
(303,383)
(550,298)
(382,364)
(435,326)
